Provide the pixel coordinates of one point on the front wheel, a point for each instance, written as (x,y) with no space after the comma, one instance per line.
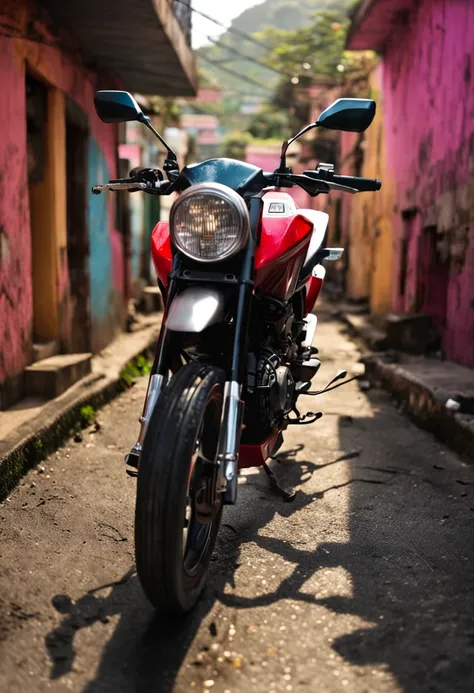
(178,513)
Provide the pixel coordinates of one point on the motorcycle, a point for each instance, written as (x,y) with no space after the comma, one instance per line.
(240,269)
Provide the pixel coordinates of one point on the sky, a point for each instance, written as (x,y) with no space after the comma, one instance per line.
(222,10)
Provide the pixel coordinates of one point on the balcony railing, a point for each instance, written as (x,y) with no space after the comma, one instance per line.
(182,11)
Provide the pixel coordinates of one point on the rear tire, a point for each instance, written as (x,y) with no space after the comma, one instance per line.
(174,537)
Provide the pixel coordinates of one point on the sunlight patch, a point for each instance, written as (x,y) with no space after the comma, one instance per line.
(329,582)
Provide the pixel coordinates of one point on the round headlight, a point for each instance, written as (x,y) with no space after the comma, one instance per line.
(209,222)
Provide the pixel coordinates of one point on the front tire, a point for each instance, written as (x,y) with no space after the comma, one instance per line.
(177,517)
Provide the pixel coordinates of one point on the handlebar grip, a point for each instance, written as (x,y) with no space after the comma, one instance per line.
(361,184)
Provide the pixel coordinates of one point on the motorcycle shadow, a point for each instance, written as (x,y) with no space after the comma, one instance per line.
(146,650)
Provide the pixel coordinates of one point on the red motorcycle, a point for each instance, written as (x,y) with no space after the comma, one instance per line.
(239,267)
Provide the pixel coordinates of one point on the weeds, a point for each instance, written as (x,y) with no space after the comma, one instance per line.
(87,414)
(134,369)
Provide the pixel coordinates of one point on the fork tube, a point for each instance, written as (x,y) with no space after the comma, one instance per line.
(245,291)
(233,404)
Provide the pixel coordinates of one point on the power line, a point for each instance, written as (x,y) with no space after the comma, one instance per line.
(247,57)
(242,34)
(249,80)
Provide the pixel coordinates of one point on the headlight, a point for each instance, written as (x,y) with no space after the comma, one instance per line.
(209,222)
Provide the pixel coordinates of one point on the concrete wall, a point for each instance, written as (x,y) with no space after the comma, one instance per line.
(429,134)
(366,218)
(133,154)
(64,74)
(106,255)
(16,298)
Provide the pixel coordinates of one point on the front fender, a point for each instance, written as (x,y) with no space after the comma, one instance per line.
(195,309)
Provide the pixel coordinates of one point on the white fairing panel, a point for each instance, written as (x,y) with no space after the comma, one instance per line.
(194,309)
(320,221)
(279,205)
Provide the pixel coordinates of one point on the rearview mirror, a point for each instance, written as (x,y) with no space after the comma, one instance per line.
(351,115)
(117,107)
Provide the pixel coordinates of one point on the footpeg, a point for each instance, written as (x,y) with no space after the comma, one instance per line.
(303,419)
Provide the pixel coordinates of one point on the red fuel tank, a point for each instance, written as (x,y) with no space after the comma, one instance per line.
(283,245)
(161,251)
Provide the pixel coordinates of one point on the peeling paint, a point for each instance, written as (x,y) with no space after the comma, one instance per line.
(65,71)
(428,129)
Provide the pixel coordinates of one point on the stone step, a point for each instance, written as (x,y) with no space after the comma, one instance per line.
(52,376)
(44,350)
(413,333)
(362,327)
(424,388)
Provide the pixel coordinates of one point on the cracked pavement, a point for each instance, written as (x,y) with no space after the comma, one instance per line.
(363,583)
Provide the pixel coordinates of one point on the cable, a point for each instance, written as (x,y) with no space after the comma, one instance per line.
(242,34)
(236,74)
(272,367)
(246,57)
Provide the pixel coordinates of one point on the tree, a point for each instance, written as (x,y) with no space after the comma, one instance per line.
(315,49)
(314,54)
(269,124)
(280,14)
(235,145)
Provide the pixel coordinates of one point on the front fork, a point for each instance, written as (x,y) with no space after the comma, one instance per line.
(233,406)
(155,386)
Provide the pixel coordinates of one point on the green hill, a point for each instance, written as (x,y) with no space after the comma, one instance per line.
(282,14)
(278,14)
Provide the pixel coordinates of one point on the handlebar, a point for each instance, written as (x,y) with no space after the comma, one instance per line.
(361,184)
(314,182)
(326,174)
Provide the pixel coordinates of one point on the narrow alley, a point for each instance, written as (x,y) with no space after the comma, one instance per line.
(363,583)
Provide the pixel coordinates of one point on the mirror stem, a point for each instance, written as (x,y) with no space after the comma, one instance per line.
(146,121)
(282,168)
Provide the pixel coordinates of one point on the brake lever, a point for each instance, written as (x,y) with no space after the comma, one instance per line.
(313,175)
(122,185)
(305,182)
(159,188)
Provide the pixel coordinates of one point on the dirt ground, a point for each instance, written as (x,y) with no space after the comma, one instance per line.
(364,583)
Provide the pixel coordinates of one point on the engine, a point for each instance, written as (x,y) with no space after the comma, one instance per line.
(275,388)
(271,385)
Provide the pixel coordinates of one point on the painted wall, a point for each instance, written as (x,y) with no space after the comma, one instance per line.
(16,299)
(366,218)
(106,255)
(133,154)
(429,132)
(64,73)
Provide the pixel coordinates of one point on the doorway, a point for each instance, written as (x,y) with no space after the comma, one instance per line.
(42,233)
(433,278)
(77,137)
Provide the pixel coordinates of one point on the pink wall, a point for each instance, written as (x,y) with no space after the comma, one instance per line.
(268,160)
(16,300)
(429,131)
(67,73)
(208,96)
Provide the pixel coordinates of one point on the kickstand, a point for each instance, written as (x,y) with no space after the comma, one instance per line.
(287,494)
